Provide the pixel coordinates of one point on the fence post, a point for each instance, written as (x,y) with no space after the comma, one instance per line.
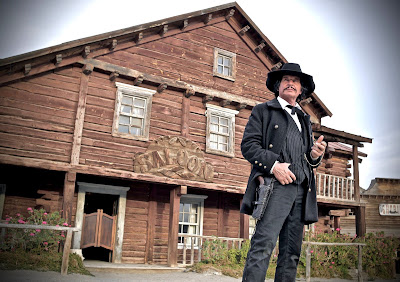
(308,263)
(360,279)
(67,248)
(184,250)
(192,239)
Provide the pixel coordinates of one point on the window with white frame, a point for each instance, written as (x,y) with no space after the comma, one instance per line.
(132,112)
(220,130)
(224,64)
(191,217)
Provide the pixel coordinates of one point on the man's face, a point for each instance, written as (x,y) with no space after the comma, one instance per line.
(290,88)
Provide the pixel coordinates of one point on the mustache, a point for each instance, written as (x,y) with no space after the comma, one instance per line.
(290,87)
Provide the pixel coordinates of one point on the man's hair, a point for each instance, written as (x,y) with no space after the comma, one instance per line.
(299,98)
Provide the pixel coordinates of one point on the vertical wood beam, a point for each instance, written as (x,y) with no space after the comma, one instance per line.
(117,255)
(80,115)
(149,248)
(244,225)
(361,228)
(220,220)
(2,198)
(185,116)
(356,175)
(174,201)
(79,219)
(68,195)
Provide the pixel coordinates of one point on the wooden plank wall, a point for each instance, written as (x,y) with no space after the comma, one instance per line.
(41,112)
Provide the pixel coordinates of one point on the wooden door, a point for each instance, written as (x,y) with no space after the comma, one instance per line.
(98,230)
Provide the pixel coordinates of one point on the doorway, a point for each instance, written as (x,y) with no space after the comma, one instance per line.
(99,226)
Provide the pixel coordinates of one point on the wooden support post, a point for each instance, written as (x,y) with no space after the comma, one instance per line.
(360,221)
(139,37)
(207,18)
(27,69)
(151,225)
(244,225)
(224,103)
(360,279)
(161,87)
(220,219)
(174,202)
(259,47)
(163,30)
(241,106)
(67,248)
(2,198)
(207,98)
(58,59)
(308,263)
(336,222)
(113,75)
(230,14)
(356,175)
(138,80)
(113,44)
(68,195)
(189,92)
(185,117)
(80,115)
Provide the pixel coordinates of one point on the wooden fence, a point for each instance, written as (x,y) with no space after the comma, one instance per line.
(308,256)
(196,242)
(67,245)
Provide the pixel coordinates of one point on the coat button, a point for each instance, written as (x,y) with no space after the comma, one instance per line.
(260,164)
(256,162)
(265,167)
(270,146)
(276,126)
(309,189)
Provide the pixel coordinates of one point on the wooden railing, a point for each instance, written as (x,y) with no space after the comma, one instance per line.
(334,187)
(308,256)
(196,243)
(67,245)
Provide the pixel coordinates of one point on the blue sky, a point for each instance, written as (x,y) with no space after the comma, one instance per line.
(349,46)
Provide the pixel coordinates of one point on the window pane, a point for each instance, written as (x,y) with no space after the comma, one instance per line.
(186,207)
(222,139)
(123,119)
(180,207)
(136,122)
(139,102)
(214,127)
(193,218)
(127,100)
(192,229)
(136,131)
(227,71)
(126,109)
(223,147)
(123,128)
(214,119)
(220,60)
(185,229)
(138,111)
(223,129)
(220,69)
(194,208)
(223,121)
(213,138)
(227,61)
(185,217)
(213,145)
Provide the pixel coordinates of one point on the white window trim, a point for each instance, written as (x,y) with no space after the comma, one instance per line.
(195,199)
(231,55)
(134,91)
(227,113)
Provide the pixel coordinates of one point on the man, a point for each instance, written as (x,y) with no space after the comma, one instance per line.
(278,142)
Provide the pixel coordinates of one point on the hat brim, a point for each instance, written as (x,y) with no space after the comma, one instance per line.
(306,80)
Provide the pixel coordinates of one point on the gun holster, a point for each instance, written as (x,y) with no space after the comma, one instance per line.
(263,194)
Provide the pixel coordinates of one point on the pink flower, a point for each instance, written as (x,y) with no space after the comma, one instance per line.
(311,251)
(57,225)
(18,214)
(45,213)
(330,266)
(333,262)
(44,222)
(326,253)
(62,235)
(337,229)
(65,224)
(29,209)
(45,243)
(8,218)
(58,242)
(21,221)
(38,230)
(32,234)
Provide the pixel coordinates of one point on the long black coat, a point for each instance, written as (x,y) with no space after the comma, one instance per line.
(261,145)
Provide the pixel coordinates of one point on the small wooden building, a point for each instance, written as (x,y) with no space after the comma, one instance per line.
(135,134)
(382,201)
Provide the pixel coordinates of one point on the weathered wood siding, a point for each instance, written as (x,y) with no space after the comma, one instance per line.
(37,115)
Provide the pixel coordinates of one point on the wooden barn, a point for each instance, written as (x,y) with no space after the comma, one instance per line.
(135,134)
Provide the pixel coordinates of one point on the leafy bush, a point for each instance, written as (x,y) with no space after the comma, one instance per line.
(34,240)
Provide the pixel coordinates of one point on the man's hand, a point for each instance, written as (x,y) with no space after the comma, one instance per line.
(283,174)
(318,148)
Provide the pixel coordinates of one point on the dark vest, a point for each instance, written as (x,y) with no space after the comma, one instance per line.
(293,149)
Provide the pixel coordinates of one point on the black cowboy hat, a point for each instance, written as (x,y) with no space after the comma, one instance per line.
(291,69)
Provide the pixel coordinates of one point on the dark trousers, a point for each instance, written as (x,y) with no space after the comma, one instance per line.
(284,218)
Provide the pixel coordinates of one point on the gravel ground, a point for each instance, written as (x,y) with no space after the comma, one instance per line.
(28,275)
